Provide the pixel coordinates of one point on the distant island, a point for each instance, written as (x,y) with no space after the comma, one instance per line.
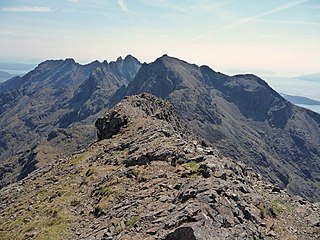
(10,70)
(5,76)
(300,100)
(314,77)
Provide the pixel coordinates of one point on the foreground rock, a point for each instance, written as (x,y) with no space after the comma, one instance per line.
(149,177)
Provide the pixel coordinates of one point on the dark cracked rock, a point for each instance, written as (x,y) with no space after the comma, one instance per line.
(110,124)
(181,233)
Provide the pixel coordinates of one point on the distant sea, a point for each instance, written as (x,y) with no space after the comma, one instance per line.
(315,108)
(15,72)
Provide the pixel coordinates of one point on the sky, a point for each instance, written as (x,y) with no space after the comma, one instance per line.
(270,38)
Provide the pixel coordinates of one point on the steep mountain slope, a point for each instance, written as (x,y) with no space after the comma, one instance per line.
(150,178)
(242,115)
(94,93)
(57,94)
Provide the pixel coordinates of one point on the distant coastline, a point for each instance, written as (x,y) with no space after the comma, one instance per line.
(315,108)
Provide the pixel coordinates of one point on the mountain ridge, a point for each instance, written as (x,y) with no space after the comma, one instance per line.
(150,177)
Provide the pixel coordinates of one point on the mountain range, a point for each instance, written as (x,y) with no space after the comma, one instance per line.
(46,112)
(49,113)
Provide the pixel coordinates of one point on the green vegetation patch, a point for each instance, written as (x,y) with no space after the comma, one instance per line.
(132,221)
(103,191)
(278,207)
(194,168)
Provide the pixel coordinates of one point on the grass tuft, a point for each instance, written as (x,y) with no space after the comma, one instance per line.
(132,221)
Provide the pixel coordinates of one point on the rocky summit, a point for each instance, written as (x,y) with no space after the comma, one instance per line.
(149,176)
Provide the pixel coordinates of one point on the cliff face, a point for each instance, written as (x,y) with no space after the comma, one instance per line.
(243,116)
(150,177)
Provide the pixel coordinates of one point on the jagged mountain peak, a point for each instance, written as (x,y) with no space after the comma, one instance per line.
(170,61)
(94,93)
(130,57)
(163,76)
(119,59)
(69,60)
(95,62)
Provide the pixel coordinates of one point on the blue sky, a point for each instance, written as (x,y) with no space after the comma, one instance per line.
(274,37)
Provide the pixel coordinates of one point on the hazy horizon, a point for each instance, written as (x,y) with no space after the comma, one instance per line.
(280,36)
(275,40)
(30,64)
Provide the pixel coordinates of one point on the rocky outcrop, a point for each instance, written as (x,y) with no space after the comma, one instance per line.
(151,178)
(109,125)
(145,105)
